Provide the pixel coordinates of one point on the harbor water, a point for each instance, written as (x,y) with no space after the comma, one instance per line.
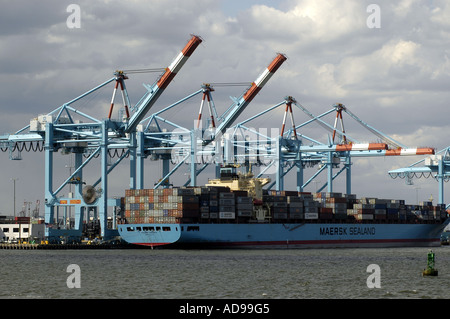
(222,274)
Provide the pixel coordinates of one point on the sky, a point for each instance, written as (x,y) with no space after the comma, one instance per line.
(389,66)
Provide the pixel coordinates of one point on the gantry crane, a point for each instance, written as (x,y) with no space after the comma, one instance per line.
(289,150)
(87,139)
(189,143)
(139,136)
(436,166)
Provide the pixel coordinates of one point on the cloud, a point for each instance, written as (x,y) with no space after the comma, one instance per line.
(394,61)
(441,14)
(395,77)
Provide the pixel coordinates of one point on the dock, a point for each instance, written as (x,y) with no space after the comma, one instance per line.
(65,246)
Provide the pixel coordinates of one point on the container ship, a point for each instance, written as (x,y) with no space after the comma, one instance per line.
(234,211)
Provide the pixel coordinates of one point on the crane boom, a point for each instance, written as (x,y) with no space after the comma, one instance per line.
(252,91)
(397,152)
(158,88)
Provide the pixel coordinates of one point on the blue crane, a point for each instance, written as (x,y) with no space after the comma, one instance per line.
(88,138)
(436,166)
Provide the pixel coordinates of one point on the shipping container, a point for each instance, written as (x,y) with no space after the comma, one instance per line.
(363,206)
(204,209)
(294,199)
(245,206)
(283,210)
(280,215)
(311,215)
(341,211)
(227,208)
(227,195)
(296,215)
(296,204)
(364,216)
(214,209)
(193,203)
(179,191)
(381,212)
(244,200)
(310,203)
(244,213)
(311,210)
(325,215)
(293,210)
(240,193)
(226,202)
(227,215)
(213,215)
(204,215)
(306,196)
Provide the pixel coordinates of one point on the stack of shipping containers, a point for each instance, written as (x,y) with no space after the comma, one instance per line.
(211,204)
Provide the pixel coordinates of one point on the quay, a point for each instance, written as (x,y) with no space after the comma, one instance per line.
(65,246)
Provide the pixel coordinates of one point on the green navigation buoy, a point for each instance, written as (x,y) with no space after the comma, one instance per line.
(430,271)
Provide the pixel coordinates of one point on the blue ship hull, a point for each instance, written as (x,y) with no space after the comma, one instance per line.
(278,235)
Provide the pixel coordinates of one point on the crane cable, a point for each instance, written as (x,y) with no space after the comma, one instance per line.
(21,146)
(134,71)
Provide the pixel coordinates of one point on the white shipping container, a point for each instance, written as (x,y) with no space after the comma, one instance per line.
(311,215)
(227,215)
